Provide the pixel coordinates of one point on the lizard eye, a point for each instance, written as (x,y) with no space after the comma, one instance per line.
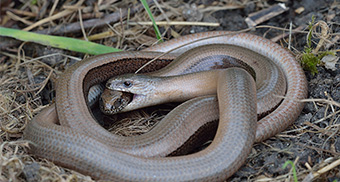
(127,84)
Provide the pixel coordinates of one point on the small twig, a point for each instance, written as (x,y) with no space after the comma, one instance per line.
(53,7)
(182,23)
(56,16)
(109,19)
(219,8)
(81,25)
(323,36)
(331,102)
(17,18)
(44,82)
(326,101)
(290,35)
(162,11)
(21,12)
(279,28)
(121,40)
(315,122)
(311,176)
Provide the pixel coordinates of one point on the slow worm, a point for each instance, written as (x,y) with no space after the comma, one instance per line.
(68,135)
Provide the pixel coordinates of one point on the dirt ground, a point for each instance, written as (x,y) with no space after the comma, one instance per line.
(28,73)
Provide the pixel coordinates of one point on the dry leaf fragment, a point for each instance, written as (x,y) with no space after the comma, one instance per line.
(330,61)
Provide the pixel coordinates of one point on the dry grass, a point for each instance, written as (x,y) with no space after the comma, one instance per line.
(27,80)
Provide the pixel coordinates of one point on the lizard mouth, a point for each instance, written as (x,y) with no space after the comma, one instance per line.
(110,106)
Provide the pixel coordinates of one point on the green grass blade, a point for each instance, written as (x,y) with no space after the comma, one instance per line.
(155,27)
(58,41)
(294,170)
